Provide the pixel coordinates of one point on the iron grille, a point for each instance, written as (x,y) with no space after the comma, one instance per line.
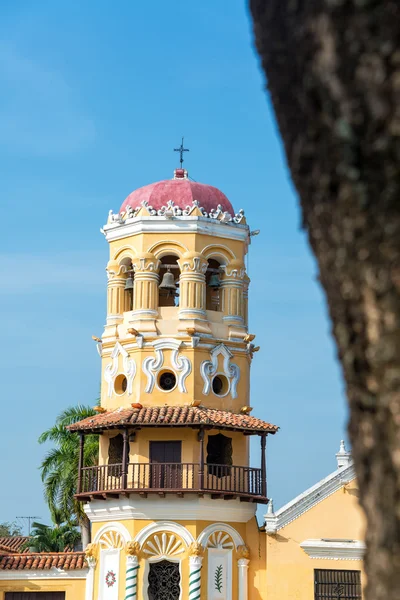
(332,584)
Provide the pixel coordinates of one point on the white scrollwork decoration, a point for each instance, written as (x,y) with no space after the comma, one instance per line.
(152,365)
(208,369)
(111,369)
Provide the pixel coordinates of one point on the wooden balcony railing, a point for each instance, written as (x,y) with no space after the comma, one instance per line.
(246,483)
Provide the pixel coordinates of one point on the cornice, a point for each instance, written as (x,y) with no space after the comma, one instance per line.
(154,509)
(334,549)
(233,231)
(52,573)
(308,499)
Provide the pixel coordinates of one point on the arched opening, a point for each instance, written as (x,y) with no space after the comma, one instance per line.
(213,285)
(168,291)
(129,283)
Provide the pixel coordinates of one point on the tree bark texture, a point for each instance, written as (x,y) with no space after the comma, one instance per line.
(333,70)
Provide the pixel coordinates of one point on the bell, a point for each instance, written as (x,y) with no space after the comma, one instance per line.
(129,283)
(168,282)
(214,281)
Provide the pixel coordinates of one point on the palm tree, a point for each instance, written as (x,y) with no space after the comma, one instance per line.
(59,468)
(52,539)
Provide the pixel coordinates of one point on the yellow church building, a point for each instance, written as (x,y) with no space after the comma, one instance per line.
(172,501)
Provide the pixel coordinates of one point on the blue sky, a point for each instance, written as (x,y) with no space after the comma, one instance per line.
(95,95)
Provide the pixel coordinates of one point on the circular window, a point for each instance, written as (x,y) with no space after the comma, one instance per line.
(220,385)
(120,384)
(167,381)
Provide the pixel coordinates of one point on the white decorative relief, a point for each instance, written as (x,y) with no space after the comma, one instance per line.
(111,370)
(111,539)
(334,549)
(221,540)
(209,368)
(170,210)
(180,364)
(163,546)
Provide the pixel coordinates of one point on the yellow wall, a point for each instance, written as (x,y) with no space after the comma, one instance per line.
(74,588)
(139,449)
(290,571)
(250,534)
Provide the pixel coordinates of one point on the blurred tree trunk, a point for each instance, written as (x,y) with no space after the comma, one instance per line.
(333,69)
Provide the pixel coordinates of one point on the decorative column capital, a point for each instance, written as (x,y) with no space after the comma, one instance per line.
(196,550)
(114,269)
(195,561)
(193,262)
(132,550)
(146,262)
(91,552)
(243,552)
(243,562)
(233,270)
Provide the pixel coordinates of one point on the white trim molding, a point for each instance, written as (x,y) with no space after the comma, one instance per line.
(153,508)
(334,549)
(53,573)
(215,527)
(180,364)
(308,499)
(113,526)
(209,368)
(213,227)
(164,527)
(111,370)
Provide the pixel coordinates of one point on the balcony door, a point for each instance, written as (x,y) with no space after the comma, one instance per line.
(166,467)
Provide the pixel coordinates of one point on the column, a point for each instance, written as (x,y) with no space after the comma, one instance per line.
(115,292)
(246,283)
(145,291)
(243,566)
(125,459)
(192,291)
(196,552)
(263,466)
(132,568)
(232,292)
(80,461)
(90,555)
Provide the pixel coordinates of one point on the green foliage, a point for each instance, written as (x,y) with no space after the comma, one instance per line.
(9,528)
(59,468)
(52,539)
(218,579)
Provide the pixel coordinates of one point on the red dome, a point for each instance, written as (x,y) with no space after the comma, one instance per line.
(182,191)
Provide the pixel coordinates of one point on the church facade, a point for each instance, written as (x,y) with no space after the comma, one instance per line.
(173,498)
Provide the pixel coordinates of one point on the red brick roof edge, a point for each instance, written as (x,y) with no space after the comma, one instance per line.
(173,416)
(43,561)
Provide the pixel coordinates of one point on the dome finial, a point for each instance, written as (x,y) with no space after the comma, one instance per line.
(181,150)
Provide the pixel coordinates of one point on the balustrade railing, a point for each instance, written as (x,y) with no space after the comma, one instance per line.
(177,477)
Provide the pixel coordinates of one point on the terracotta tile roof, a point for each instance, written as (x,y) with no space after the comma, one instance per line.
(13,543)
(173,416)
(42,561)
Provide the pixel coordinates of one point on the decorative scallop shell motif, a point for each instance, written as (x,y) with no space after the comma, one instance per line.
(166,544)
(220,539)
(111,539)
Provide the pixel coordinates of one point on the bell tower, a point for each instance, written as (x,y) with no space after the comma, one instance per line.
(173,487)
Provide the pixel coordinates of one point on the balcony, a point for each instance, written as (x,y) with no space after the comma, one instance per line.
(220,481)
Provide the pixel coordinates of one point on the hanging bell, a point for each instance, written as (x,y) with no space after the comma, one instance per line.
(129,283)
(168,282)
(214,282)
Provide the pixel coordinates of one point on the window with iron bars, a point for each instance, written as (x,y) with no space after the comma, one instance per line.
(333,584)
